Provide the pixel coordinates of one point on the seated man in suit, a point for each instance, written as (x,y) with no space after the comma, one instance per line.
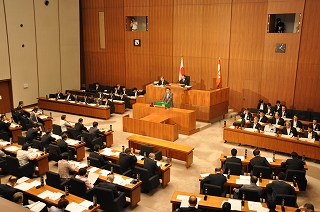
(80,127)
(95,154)
(64,123)
(246,115)
(310,134)
(162,81)
(277,120)
(269,127)
(127,160)
(20,113)
(261,105)
(94,129)
(278,106)
(257,160)
(7,190)
(135,92)
(109,185)
(295,163)
(34,119)
(255,124)
(59,95)
(4,125)
(284,113)
(124,98)
(125,92)
(47,139)
(99,95)
(252,186)
(184,80)
(288,130)
(23,156)
(315,125)
(62,144)
(69,97)
(217,179)
(151,165)
(295,122)
(97,87)
(232,159)
(64,167)
(192,205)
(279,187)
(117,91)
(168,97)
(262,117)
(270,110)
(33,133)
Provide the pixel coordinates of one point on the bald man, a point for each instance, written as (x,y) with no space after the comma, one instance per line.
(192,205)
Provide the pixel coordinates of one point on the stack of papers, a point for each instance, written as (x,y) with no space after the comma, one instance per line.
(43,117)
(231,127)
(235,204)
(4,143)
(14,125)
(36,206)
(204,175)
(57,137)
(26,186)
(270,133)
(78,165)
(256,206)
(120,181)
(139,157)
(120,101)
(93,169)
(12,148)
(92,177)
(286,136)
(270,160)
(51,195)
(106,151)
(185,201)
(72,142)
(104,172)
(93,105)
(22,179)
(307,139)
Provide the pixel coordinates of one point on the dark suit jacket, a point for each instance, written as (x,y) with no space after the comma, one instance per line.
(125,99)
(316,128)
(110,186)
(292,130)
(280,122)
(249,117)
(164,82)
(7,191)
(4,127)
(299,124)
(270,113)
(189,209)
(264,119)
(264,106)
(294,163)
(151,166)
(276,108)
(95,131)
(63,146)
(314,135)
(99,157)
(280,187)
(46,140)
(233,160)
(258,161)
(59,96)
(127,162)
(79,128)
(287,114)
(185,81)
(70,98)
(31,134)
(258,126)
(215,179)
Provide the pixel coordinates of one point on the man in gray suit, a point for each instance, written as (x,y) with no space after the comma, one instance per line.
(252,186)
(168,97)
(33,118)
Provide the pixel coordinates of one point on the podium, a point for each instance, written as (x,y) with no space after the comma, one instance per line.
(162,104)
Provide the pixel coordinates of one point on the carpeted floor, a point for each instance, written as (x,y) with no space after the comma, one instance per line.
(208,146)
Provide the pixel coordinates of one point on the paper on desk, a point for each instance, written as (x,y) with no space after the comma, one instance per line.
(287,119)
(250,129)
(104,172)
(44,194)
(86,203)
(231,127)
(244,177)
(204,175)
(120,181)
(57,137)
(106,151)
(120,101)
(256,206)
(35,183)
(235,204)
(36,206)
(93,169)
(55,195)
(139,157)
(72,142)
(185,201)
(307,139)
(243,181)
(4,143)
(92,104)
(24,186)
(14,125)
(77,164)
(270,133)
(241,157)
(12,148)
(286,136)
(43,117)
(270,160)
(75,207)
(22,179)
(92,177)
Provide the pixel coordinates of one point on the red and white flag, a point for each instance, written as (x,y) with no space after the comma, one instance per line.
(219,79)
(181,71)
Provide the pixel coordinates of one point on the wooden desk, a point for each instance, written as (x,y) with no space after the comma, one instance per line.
(165,170)
(119,106)
(79,148)
(186,119)
(34,192)
(7,205)
(169,149)
(47,121)
(208,104)
(279,144)
(42,161)
(214,203)
(16,131)
(74,108)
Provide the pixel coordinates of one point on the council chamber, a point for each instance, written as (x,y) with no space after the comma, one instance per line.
(159,105)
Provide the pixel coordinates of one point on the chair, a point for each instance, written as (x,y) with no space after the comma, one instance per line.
(52,96)
(289,200)
(249,195)
(53,179)
(22,140)
(56,129)
(97,141)
(14,168)
(116,168)
(26,124)
(305,115)
(254,110)
(315,115)
(235,168)
(72,133)
(88,138)
(5,136)
(3,165)
(37,144)
(148,184)
(94,162)
(300,178)
(107,201)
(15,117)
(265,171)
(79,188)
(148,149)
(55,152)
(212,190)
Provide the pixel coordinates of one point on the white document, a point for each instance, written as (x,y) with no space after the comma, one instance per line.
(78,165)
(92,104)
(22,179)
(120,181)
(12,148)
(231,127)
(286,136)
(57,137)
(45,194)
(244,177)
(256,206)
(73,207)
(250,129)
(86,204)
(204,175)
(43,117)
(72,142)
(92,177)
(270,133)
(270,160)
(139,157)
(93,169)
(104,172)
(235,204)
(14,125)
(120,101)
(4,143)
(24,186)
(35,183)
(308,140)
(36,206)
(243,181)
(55,195)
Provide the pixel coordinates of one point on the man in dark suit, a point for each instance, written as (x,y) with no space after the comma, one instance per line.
(279,187)
(295,122)
(255,124)
(277,120)
(261,105)
(295,163)
(232,159)
(95,154)
(4,125)
(184,80)
(69,97)
(192,205)
(32,133)
(284,113)
(20,113)
(94,129)
(258,160)
(151,165)
(80,127)
(97,87)
(270,110)
(126,100)
(62,143)
(278,106)
(288,130)
(262,117)
(315,125)
(47,139)
(109,185)
(217,179)
(59,95)
(125,92)
(168,97)
(162,81)
(246,115)
(127,160)
(310,134)
(7,190)
(252,186)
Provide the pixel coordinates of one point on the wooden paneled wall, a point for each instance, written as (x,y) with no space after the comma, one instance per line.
(6,96)
(202,31)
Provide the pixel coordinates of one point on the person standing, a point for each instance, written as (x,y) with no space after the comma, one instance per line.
(168,97)
(134,25)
